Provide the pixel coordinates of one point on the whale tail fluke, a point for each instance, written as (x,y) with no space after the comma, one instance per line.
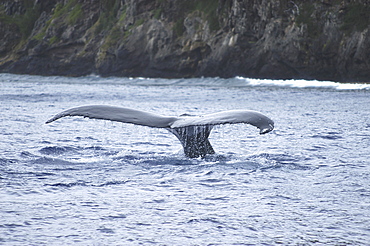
(192,131)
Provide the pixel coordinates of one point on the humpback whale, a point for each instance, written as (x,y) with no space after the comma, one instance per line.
(192,131)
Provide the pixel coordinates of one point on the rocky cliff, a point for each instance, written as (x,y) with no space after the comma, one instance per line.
(311,39)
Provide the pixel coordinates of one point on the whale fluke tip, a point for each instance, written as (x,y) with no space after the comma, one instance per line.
(267,129)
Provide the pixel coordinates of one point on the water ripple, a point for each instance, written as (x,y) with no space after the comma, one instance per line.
(57,150)
(84,182)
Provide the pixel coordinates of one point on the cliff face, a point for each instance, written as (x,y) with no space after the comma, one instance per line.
(322,39)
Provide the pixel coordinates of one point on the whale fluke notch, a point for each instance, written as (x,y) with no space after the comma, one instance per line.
(192,131)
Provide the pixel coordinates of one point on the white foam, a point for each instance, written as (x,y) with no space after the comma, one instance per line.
(305,84)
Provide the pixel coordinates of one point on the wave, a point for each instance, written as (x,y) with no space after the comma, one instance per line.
(51,161)
(267,161)
(202,81)
(301,83)
(56,150)
(84,183)
(248,82)
(5,161)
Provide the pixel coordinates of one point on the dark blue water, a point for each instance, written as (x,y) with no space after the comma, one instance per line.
(89,182)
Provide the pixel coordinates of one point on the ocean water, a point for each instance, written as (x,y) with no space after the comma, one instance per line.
(79,181)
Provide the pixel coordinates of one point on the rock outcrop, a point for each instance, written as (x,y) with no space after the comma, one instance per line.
(280,39)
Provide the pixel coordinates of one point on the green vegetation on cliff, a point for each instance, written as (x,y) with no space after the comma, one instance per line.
(24,22)
(356,18)
(306,17)
(108,11)
(206,9)
(209,8)
(62,14)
